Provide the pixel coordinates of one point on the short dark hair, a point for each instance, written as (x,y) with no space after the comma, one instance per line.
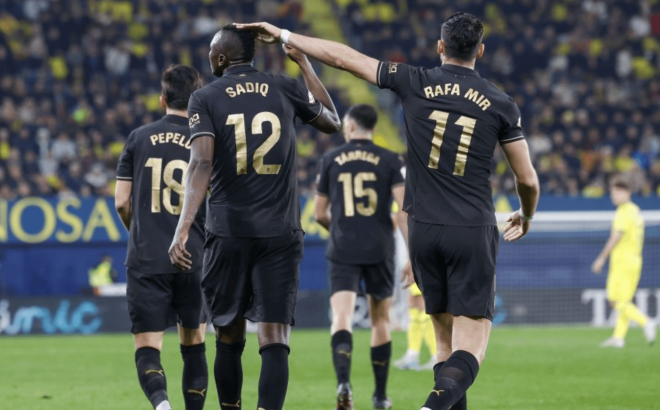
(178,83)
(365,116)
(246,38)
(621,182)
(462,34)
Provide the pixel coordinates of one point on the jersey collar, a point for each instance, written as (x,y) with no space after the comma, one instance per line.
(176,119)
(361,141)
(457,69)
(243,68)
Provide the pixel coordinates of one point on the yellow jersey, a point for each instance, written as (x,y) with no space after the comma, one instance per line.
(627,254)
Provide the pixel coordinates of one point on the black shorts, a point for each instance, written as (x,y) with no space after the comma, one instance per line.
(156,301)
(454,267)
(378,278)
(254,278)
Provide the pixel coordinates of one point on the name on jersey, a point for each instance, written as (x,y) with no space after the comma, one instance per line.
(358,155)
(455,89)
(247,88)
(170,138)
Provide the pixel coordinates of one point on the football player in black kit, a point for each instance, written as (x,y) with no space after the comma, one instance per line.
(148,198)
(243,141)
(357,183)
(454,119)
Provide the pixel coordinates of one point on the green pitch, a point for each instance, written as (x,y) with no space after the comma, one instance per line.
(526,369)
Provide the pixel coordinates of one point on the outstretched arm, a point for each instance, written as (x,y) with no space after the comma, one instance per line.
(197,183)
(328,121)
(331,53)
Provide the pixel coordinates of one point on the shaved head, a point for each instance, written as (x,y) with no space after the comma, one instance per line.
(231,46)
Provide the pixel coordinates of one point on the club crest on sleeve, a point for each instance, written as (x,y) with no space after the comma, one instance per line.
(311,97)
(194,120)
(393,67)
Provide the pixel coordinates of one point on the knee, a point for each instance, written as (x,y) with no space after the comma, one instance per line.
(233,333)
(273,333)
(342,322)
(481,357)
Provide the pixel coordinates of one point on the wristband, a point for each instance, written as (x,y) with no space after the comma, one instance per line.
(284,36)
(525,217)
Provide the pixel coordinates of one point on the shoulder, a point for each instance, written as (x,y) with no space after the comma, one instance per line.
(146,129)
(496,92)
(330,155)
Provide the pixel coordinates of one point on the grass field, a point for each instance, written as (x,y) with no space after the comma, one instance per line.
(526,368)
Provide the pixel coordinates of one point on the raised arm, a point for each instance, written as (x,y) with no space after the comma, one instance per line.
(328,121)
(197,183)
(331,53)
(527,185)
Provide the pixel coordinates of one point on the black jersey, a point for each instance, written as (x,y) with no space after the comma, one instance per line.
(454,120)
(358,178)
(254,188)
(156,158)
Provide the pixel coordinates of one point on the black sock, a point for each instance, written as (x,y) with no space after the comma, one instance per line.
(228,371)
(274,377)
(151,374)
(195,376)
(452,380)
(342,349)
(461,404)
(380,362)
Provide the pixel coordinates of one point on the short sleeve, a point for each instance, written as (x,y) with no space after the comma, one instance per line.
(396,168)
(394,76)
(322,183)
(199,117)
(307,108)
(511,128)
(125,164)
(621,220)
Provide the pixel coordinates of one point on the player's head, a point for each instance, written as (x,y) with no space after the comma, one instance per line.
(178,83)
(360,121)
(230,46)
(461,38)
(620,190)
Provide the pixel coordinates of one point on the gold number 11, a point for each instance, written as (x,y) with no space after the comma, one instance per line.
(468,124)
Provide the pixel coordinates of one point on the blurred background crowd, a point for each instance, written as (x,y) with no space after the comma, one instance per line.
(77,76)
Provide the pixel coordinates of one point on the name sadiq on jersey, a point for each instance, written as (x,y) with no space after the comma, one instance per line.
(455,89)
(357,156)
(248,87)
(170,137)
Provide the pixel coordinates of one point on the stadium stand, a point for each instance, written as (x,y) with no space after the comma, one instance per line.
(75,80)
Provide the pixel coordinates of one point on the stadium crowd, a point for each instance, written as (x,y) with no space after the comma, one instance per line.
(76,77)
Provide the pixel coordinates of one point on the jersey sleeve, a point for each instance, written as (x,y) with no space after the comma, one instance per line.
(199,117)
(621,220)
(307,108)
(125,164)
(396,174)
(395,77)
(322,183)
(511,128)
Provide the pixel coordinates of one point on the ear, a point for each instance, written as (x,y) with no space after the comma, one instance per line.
(161,100)
(441,47)
(481,50)
(222,60)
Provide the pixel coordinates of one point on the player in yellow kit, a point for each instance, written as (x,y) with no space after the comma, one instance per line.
(420,329)
(624,249)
